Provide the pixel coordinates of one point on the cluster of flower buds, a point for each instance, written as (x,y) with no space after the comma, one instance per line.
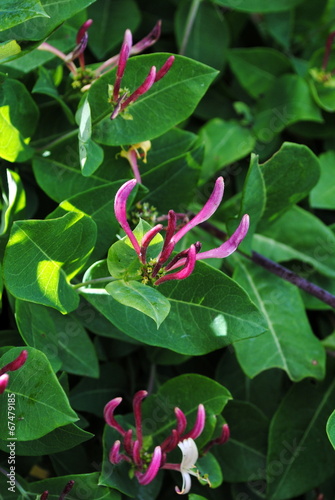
(146,464)
(157,271)
(11,367)
(66,490)
(83,76)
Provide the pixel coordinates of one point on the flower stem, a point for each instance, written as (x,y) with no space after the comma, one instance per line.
(189,25)
(278,270)
(107,279)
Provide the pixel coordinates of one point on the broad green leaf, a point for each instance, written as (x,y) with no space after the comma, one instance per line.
(166,183)
(286,102)
(209,467)
(289,343)
(201,319)
(13,201)
(331,428)
(209,30)
(91,395)
(91,155)
(62,438)
(323,194)
(43,256)
(280,27)
(174,97)
(259,6)
(192,496)
(62,338)
(289,175)
(301,449)
(84,484)
(18,120)
(40,403)
(119,14)
(54,13)
(8,50)
(225,142)
(258,68)
(45,85)
(98,203)
(13,13)
(299,235)
(141,297)
(243,457)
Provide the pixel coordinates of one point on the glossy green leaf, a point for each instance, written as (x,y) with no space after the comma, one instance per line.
(91,155)
(119,14)
(12,14)
(299,235)
(84,484)
(62,438)
(225,142)
(13,201)
(289,175)
(9,49)
(288,344)
(208,30)
(243,457)
(209,467)
(184,85)
(259,6)
(300,455)
(141,297)
(42,256)
(39,28)
(40,403)
(280,26)
(201,318)
(323,194)
(62,338)
(286,102)
(258,68)
(331,428)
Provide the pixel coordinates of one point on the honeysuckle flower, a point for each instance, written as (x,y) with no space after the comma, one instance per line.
(132,154)
(146,465)
(66,490)
(158,270)
(11,367)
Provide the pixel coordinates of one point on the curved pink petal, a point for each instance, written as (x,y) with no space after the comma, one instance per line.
(185,271)
(206,212)
(146,240)
(3,382)
(142,89)
(16,363)
(199,424)
(137,402)
(165,68)
(109,415)
(120,210)
(229,246)
(123,58)
(153,468)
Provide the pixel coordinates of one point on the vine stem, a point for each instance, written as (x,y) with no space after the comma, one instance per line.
(278,270)
(189,25)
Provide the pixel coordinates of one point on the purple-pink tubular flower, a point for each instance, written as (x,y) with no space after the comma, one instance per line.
(145,464)
(63,495)
(184,262)
(11,367)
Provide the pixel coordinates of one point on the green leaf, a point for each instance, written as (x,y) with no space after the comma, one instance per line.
(331,428)
(280,27)
(258,68)
(323,194)
(61,338)
(301,450)
(209,30)
(141,297)
(184,85)
(62,438)
(13,14)
(286,102)
(84,484)
(201,318)
(120,14)
(43,256)
(299,235)
(225,142)
(13,201)
(289,175)
(243,457)
(91,154)
(40,403)
(289,343)
(8,50)
(259,6)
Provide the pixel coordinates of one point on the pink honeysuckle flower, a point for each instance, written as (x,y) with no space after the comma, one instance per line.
(11,367)
(147,465)
(185,260)
(63,495)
